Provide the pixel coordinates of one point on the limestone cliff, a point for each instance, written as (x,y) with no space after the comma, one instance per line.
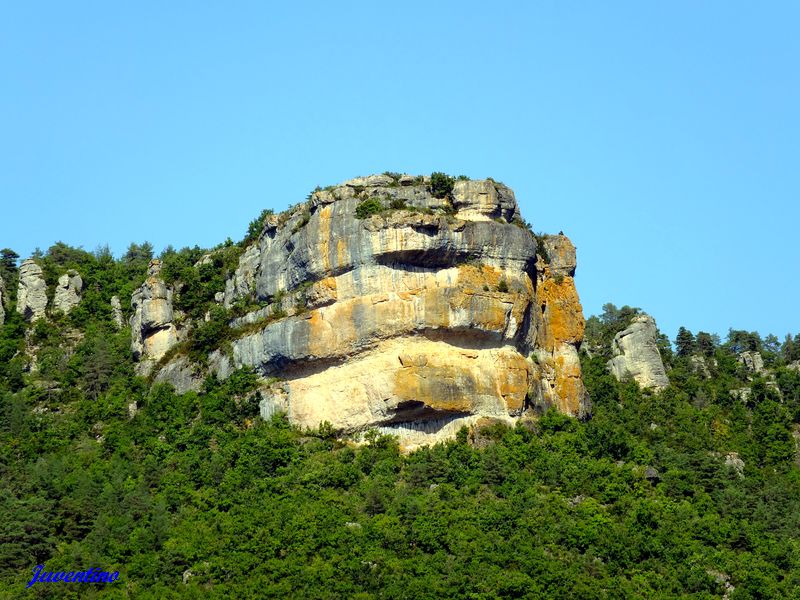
(636,354)
(153,330)
(424,315)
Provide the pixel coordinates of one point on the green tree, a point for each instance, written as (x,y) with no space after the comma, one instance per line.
(684,342)
(256,225)
(706,344)
(441,185)
(8,260)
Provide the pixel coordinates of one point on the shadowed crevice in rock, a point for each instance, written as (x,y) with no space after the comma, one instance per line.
(426,259)
(415,412)
(428,426)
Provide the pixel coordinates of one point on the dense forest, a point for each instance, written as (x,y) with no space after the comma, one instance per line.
(690,492)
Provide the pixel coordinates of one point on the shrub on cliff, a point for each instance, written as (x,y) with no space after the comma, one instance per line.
(256,225)
(441,185)
(368,208)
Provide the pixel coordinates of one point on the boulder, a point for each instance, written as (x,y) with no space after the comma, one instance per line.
(636,355)
(32,291)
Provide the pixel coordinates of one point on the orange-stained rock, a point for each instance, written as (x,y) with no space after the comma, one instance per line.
(560,329)
(562,321)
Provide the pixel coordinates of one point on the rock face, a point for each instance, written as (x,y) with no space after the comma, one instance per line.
(429,315)
(636,354)
(68,291)
(32,291)
(152,328)
(116,312)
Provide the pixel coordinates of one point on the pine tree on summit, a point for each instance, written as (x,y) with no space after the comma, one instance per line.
(685,343)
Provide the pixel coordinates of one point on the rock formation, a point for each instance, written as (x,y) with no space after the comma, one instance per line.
(425,316)
(636,354)
(116,312)
(559,328)
(32,291)
(153,331)
(752,361)
(2,301)
(68,291)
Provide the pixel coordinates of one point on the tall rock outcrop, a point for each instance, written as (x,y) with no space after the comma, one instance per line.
(753,362)
(559,328)
(32,291)
(153,329)
(428,314)
(68,291)
(636,354)
(116,312)
(2,301)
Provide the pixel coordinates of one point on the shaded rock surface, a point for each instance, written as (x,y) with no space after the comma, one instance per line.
(68,291)
(32,291)
(431,314)
(636,354)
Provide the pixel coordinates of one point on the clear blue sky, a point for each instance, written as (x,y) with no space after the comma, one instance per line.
(663,138)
